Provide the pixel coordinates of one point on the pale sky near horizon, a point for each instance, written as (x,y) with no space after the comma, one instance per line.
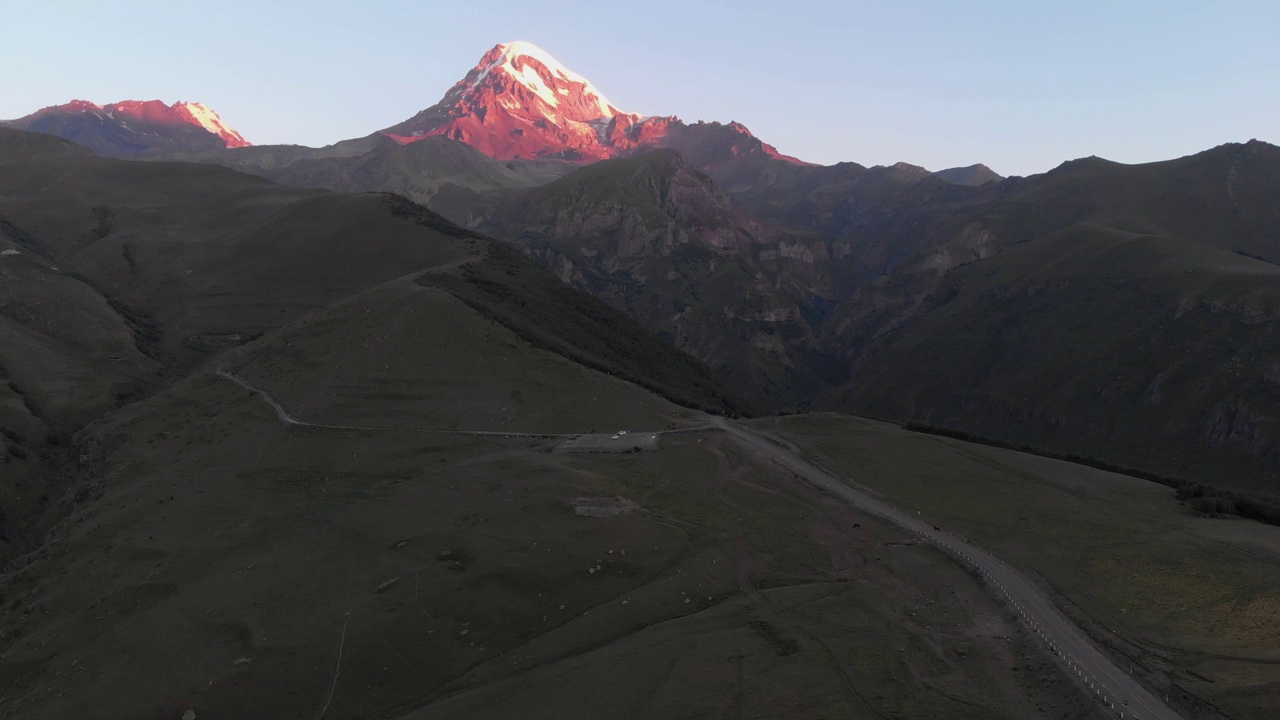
(1020,86)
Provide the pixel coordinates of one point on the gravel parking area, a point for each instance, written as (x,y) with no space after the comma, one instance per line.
(610,442)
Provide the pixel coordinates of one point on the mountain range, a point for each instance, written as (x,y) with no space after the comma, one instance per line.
(284,430)
(796,282)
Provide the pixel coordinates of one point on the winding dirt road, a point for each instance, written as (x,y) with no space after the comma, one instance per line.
(1119,691)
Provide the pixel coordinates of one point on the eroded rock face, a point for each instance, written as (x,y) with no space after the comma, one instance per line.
(1233,422)
(974,243)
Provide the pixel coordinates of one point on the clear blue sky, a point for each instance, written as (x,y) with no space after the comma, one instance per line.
(1021,86)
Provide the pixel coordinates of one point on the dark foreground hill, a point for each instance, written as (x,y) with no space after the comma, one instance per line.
(390,563)
(332,489)
(122,277)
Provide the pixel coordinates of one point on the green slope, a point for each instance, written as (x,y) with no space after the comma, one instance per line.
(1151,352)
(509,288)
(129,275)
(419,170)
(1187,602)
(225,563)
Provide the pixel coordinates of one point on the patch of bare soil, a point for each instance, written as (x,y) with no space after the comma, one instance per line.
(603,506)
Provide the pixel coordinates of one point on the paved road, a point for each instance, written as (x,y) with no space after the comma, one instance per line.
(1111,685)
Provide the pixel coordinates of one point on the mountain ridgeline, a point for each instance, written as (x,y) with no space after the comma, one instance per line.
(1100,309)
(132,128)
(1117,312)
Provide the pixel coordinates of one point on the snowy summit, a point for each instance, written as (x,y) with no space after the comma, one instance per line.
(204,116)
(520,102)
(129,127)
(514,60)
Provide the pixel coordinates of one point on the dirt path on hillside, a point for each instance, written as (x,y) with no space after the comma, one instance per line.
(289,419)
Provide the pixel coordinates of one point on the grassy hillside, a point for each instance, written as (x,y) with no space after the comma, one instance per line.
(410,356)
(407,552)
(1150,352)
(124,276)
(419,170)
(1190,603)
(226,563)
(1224,197)
(207,256)
(66,357)
(510,289)
(1122,313)
(120,277)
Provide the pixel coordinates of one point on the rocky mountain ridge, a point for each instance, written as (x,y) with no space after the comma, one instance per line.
(133,127)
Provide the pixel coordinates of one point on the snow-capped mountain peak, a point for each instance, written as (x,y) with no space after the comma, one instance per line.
(551,86)
(520,103)
(132,127)
(204,116)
